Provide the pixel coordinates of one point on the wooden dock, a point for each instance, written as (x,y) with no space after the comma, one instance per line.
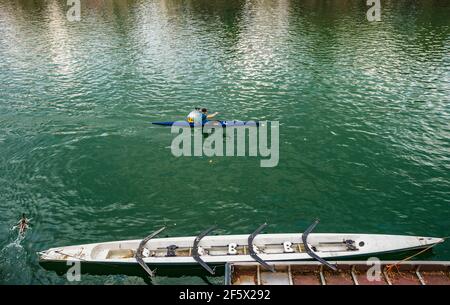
(348,273)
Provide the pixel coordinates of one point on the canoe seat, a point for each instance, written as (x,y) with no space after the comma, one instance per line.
(220,250)
(272,249)
(183,252)
(120,253)
(162,252)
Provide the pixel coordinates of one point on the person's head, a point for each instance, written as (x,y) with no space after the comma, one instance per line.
(204,110)
(197,108)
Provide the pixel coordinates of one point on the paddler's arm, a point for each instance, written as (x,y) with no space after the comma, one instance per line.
(210,116)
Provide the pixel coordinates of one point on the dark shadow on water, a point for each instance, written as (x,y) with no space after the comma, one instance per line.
(135,270)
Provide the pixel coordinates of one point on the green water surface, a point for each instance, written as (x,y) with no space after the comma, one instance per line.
(364,112)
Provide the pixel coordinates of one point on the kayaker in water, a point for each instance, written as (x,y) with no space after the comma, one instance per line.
(23,224)
(206,116)
(196,115)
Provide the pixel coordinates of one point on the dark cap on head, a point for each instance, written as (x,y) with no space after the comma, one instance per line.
(204,110)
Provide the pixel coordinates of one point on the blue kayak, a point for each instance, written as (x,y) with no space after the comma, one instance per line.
(211,123)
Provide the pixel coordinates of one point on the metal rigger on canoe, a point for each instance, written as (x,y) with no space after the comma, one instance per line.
(220,249)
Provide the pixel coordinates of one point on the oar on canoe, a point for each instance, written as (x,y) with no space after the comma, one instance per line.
(139,256)
(195,248)
(252,251)
(308,249)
